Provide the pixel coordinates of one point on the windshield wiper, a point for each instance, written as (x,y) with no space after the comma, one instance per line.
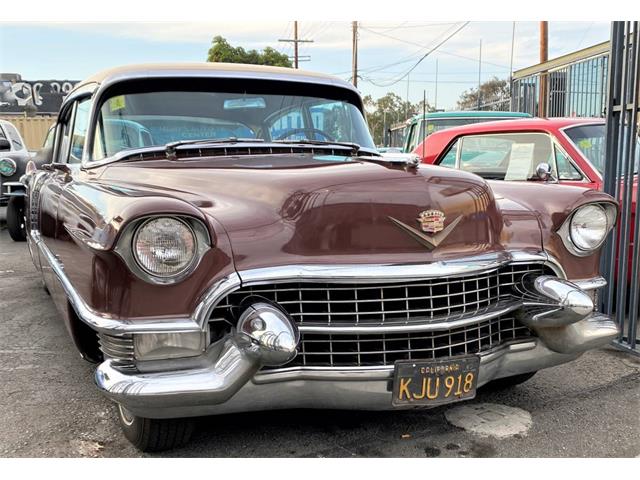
(170,148)
(355,148)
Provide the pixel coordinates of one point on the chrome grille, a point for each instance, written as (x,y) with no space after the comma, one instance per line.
(385,304)
(119,349)
(339,350)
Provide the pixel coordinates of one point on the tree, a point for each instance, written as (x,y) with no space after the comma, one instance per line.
(387,111)
(490,91)
(222,51)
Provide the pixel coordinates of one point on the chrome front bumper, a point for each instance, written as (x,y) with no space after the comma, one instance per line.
(230,380)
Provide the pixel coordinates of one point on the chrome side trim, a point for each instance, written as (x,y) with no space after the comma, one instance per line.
(104,322)
(364,273)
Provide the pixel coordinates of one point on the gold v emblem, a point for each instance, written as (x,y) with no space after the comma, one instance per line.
(428,241)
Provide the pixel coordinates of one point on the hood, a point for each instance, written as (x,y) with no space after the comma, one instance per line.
(313,212)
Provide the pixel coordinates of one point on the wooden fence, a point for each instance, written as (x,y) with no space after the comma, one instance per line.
(33,129)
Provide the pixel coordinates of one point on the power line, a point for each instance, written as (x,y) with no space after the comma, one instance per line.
(403,25)
(409,42)
(425,56)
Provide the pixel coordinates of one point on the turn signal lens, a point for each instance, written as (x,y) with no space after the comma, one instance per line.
(159,346)
(164,246)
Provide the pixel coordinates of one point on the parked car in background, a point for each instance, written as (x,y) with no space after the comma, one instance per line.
(13,160)
(421,126)
(13,163)
(295,267)
(566,151)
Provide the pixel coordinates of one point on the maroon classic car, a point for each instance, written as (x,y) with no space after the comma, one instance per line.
(226,238)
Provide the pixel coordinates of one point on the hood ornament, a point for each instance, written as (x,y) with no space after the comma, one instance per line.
(431,221)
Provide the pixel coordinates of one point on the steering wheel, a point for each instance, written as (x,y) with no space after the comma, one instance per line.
(307,131)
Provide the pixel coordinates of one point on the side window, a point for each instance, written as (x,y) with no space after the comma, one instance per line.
(449,160)
(286,125)
(565,168)
(62,150)
(411,136)
(505,156)
(80,126)
(14,136)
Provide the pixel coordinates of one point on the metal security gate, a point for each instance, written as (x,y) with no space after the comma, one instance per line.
(621,262)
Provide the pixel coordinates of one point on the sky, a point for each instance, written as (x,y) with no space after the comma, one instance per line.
(387,50)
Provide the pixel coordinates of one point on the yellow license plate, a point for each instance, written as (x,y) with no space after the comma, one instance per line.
(435,382)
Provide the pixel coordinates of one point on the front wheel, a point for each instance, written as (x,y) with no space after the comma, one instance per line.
(15,219)
(152,434)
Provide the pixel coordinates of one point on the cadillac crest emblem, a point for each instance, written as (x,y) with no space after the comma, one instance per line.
(431,221)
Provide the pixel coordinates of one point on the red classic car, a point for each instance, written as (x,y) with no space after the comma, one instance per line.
(226,238)
(567,151)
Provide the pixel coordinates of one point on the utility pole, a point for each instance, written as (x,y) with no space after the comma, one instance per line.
(354,53)
(406,103)
(513,41)
(295,40)
(544,56)
(435,101)
(384,128)
(479,72)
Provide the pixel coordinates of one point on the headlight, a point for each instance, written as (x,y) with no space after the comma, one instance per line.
(7,167)
(158,346)
(587,228)
(164,246)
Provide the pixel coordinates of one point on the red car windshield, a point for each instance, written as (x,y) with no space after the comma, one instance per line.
(590,140)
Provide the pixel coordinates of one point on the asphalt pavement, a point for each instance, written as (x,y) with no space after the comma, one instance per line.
(50,407)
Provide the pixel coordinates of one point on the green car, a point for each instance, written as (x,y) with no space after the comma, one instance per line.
(415,129)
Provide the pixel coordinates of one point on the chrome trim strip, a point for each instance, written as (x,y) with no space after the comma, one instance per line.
(445,323)
(103,322)
(389,273)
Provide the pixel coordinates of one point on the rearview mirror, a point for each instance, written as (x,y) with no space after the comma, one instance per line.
(5,144)
(244,102)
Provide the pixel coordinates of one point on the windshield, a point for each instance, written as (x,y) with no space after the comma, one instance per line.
(590,140)
(156,118)
(437,124)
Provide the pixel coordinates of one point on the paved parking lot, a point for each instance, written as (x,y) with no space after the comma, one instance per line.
(50,406)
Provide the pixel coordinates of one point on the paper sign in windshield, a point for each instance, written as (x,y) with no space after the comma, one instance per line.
(520,162)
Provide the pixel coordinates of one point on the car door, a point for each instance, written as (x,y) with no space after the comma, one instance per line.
(65,164)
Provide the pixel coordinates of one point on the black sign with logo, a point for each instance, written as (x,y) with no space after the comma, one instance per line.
(37,96)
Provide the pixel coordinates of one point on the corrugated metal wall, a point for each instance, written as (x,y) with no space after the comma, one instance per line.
(575,85)
(33,129)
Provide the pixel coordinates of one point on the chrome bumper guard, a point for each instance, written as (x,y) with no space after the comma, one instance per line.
(558,311)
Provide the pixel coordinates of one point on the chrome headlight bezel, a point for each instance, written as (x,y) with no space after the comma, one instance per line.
(126,248)
(12,165)
(610,211)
